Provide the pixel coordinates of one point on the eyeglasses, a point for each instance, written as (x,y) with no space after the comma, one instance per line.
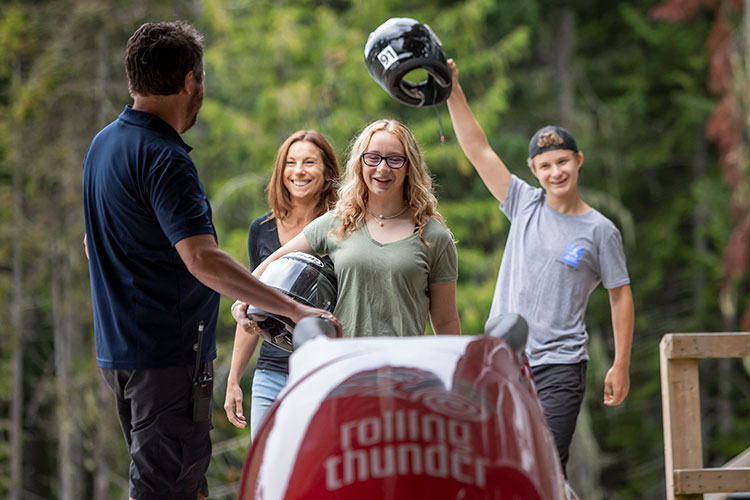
(393,161)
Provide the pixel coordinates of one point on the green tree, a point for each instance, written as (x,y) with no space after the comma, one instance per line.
(634,91)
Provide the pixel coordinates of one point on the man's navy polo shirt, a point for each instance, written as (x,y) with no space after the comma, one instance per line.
(142,195)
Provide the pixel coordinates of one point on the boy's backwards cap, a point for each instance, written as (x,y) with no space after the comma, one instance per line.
(550,138)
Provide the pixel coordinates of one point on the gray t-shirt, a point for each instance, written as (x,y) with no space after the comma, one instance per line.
(383,287)
(551,264)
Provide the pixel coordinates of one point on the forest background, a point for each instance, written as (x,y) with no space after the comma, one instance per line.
(657,95)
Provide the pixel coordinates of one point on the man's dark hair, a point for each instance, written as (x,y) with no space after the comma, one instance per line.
(159,55)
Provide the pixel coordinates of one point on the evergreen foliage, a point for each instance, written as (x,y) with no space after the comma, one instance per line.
(640,104)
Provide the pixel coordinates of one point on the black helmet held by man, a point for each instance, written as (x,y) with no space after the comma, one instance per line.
(306,279)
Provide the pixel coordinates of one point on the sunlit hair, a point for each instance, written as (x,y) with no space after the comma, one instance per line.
(278,195)
(418,194)
(158,56)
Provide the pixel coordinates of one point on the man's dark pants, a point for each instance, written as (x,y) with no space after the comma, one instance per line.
(169,452)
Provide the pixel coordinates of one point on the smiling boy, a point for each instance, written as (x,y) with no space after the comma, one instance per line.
(558,250)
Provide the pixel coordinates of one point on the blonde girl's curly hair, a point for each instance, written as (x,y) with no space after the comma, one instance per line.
(418,192)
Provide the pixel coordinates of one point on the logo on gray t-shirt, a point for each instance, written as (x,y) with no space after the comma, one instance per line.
(573,255)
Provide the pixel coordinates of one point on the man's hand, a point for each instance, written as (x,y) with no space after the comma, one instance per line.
(616,385)
(239,313)
(233,406)
(304,311)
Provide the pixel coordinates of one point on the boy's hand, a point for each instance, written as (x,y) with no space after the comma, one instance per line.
(616,385)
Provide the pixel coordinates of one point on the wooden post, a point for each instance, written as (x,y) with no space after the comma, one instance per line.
(686,478)
(683,447)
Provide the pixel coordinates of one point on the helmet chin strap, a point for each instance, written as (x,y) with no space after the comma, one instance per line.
(440,124)
(416,91)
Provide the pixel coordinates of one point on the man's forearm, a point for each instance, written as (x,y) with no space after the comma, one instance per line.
(233,280)
(219,271)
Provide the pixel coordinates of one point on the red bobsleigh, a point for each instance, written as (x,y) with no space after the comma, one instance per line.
(439,417)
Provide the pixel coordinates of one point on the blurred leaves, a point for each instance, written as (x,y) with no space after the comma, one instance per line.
(276,66)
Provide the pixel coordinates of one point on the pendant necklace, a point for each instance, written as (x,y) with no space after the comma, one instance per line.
(381,218)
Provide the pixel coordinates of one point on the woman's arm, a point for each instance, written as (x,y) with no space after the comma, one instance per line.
(242,352)
(443,311)
(297,244)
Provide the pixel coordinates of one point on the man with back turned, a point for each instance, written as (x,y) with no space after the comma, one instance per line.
(156,270)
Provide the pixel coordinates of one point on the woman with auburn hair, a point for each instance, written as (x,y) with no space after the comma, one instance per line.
(394,257)
(302,187)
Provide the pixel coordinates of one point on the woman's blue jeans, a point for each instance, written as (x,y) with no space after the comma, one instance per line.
(266,386)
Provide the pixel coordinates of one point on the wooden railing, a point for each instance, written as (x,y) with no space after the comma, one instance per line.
(686,477)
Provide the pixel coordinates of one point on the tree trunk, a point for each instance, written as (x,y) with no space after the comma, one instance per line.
(564,39)
(587,460)
(746,57)
(72,330)
(700,246)
(62,385)
(700,215)
(724,406)
(16,311)
(104,434)
(70,458)
(103,439)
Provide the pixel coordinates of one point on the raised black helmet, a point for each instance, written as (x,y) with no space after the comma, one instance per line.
(400,45)
(306,279)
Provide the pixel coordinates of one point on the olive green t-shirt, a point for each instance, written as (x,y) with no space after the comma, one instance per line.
(383,288)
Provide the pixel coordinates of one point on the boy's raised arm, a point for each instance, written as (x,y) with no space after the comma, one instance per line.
(473,141)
